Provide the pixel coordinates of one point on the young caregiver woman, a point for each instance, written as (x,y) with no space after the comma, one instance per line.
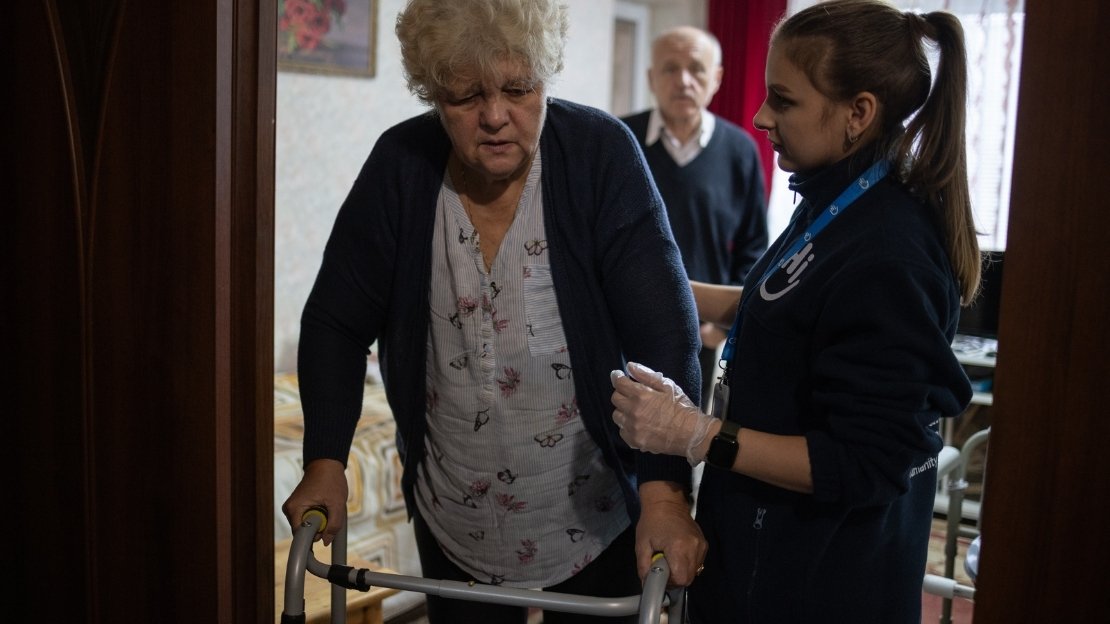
(817,499)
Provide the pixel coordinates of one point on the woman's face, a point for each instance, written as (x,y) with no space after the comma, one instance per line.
(805,128)
(495,125)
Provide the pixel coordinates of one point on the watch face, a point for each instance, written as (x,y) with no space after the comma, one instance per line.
(723,448)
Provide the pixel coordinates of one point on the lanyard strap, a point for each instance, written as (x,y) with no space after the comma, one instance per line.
(873,174)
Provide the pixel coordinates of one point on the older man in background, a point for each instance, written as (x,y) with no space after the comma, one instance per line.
(707,169)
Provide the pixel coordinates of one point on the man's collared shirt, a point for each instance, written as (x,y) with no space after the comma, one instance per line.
(681,153)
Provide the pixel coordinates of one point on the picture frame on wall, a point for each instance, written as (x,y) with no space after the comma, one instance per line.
(334,37)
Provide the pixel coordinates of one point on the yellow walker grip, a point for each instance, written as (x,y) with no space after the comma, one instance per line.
(319,511)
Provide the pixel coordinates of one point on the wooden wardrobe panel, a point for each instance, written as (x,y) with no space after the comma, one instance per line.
(44,408)
(141,241)
(1045,549)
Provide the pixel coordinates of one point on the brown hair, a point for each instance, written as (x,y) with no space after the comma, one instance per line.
(846,47)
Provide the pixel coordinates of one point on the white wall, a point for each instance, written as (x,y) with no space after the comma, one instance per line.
(668,13)
(326,126)
(588,71)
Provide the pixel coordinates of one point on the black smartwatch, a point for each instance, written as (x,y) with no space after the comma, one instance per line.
(723,448)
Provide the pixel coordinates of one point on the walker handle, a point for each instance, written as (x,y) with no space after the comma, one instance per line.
(313,521)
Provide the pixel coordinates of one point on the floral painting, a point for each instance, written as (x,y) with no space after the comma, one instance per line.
(326,36)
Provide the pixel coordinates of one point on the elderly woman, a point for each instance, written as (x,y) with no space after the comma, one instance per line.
(506,251)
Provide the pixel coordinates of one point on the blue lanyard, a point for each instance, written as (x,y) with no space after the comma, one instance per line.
(873,174)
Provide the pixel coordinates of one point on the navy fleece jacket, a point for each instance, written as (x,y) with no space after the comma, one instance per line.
(849,347)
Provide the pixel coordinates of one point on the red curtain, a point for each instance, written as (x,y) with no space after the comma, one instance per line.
(744,27)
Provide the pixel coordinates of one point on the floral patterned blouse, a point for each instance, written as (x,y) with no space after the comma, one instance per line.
(512,485)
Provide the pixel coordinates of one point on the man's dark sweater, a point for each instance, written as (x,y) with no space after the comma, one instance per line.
(716,203)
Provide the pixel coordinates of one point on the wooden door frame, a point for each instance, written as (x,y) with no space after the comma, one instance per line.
(1045,500)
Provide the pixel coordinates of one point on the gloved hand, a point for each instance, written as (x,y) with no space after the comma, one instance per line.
(655,415)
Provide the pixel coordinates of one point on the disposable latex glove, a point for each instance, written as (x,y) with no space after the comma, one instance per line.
(655,415)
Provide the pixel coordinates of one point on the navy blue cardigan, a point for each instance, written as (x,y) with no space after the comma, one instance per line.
(620,286)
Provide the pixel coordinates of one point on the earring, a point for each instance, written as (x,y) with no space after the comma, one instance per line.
(850,140)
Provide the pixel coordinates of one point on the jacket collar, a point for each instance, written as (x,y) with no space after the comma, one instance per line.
(821,186)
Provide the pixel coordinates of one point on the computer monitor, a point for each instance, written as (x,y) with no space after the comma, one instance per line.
(981,317)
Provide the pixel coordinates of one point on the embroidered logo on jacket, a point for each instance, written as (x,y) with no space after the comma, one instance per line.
(794,267)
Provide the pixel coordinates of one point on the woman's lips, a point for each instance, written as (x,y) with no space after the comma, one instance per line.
(497,147)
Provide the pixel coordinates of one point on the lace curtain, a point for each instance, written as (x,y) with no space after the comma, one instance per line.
(993,32)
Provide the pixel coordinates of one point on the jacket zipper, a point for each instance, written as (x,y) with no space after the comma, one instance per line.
(757,525)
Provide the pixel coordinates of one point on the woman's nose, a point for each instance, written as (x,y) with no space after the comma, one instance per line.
(762,120)
(494,111)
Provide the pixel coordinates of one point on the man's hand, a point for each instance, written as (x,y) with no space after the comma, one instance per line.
(712,335)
